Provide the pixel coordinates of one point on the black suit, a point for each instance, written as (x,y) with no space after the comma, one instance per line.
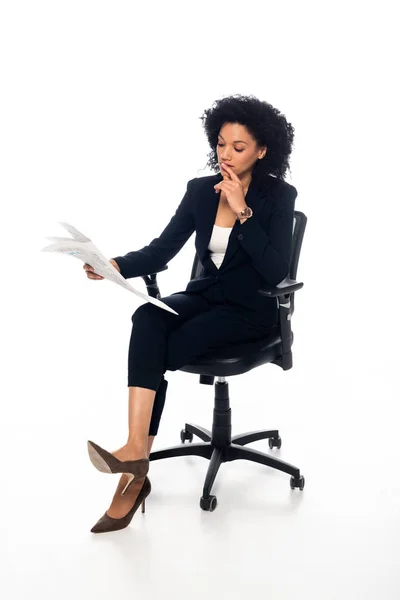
(258,251)
(221,307)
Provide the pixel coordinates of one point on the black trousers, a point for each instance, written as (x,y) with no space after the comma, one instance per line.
(162,341)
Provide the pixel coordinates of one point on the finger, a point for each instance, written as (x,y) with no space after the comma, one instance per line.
(231,174)
(226,186)
(221,187)
(225,173)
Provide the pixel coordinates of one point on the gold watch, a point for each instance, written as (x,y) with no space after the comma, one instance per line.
(245,214)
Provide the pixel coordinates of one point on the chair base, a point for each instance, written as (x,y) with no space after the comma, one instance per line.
(218,447)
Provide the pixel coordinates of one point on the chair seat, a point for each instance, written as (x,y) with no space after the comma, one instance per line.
(238,358)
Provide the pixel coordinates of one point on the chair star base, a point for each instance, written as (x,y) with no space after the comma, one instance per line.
(218,447)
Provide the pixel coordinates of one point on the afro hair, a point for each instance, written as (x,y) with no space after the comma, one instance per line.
(266,124)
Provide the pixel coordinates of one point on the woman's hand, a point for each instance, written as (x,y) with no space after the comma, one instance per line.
(92,275)
(233,188)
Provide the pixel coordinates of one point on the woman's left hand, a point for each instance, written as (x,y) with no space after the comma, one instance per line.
(233,188)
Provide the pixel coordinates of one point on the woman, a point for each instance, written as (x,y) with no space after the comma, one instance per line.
(243,223)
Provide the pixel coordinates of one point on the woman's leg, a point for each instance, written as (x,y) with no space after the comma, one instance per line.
(151,327)
(150,444)
(158,407)
(173,347)
(140,407)
(146,384)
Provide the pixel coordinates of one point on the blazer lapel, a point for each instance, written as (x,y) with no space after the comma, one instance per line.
(255,198)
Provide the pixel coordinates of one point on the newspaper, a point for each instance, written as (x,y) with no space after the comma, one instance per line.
(82,247)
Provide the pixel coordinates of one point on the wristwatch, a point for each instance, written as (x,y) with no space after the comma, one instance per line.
(245,214)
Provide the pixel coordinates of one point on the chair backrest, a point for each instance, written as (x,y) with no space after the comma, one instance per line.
(299,226)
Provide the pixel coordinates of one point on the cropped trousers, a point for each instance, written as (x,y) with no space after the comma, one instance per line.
(162,341)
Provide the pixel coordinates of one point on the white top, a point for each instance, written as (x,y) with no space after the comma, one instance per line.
(218,244)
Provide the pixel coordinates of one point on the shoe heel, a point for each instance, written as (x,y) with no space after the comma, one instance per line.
(144,506)
(130,479)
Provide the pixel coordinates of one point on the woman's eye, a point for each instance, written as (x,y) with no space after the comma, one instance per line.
(235,148)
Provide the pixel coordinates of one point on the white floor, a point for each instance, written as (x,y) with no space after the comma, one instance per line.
(338,538)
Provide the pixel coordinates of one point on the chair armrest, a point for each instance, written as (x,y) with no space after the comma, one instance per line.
(286,286)
(151,282)
(286,307)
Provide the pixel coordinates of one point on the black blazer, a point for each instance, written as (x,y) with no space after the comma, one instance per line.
(258,251)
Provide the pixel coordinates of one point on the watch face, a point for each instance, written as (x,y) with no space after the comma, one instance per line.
(246,212)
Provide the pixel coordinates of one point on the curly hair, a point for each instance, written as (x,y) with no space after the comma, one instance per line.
(266,124)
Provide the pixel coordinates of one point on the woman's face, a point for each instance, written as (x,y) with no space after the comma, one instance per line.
(238,149)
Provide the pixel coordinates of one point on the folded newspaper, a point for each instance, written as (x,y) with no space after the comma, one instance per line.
(83,248)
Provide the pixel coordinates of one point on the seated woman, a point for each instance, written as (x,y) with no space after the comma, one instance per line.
(243,219)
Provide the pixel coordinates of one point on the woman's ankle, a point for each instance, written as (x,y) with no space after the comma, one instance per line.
(137,449)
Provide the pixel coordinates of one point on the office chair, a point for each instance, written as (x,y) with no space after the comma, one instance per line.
(218,446)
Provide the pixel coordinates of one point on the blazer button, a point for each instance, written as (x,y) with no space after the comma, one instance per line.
(240,236)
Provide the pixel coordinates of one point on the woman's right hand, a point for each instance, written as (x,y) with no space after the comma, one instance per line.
(92,275)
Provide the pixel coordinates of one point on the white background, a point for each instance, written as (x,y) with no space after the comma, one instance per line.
(100,127)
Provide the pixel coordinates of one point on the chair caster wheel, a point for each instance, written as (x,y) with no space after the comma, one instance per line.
(275,442)
(209,503)
(297,482)
(186,435)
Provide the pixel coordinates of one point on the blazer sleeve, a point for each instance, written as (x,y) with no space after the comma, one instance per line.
(271,252)
(162,249)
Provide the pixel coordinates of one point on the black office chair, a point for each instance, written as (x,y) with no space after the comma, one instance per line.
(218,445)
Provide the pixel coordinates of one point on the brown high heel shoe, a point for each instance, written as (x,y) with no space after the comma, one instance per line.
(107,523)
(107,463)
